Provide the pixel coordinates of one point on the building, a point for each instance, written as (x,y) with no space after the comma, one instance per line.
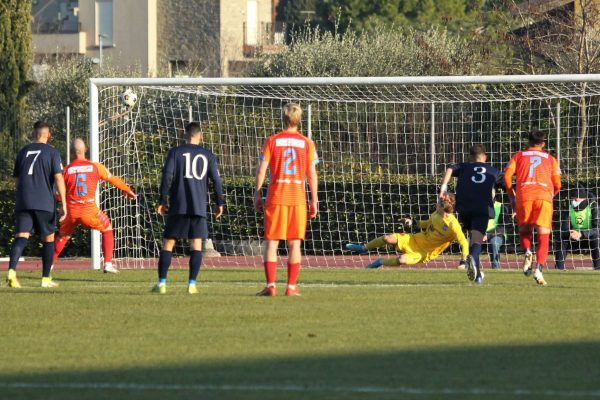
(166,37)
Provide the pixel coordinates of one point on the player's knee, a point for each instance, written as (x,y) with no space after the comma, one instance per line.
(390,239)
(402,259)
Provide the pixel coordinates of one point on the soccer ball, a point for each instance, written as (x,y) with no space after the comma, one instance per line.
(128,98)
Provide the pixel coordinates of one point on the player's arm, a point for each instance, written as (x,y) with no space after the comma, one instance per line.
(556,176)
(509,172)
(313,180)
(165,182)
(59,181)
(215,177)
(115,181)
(451,171)
(261,173)
(424,224)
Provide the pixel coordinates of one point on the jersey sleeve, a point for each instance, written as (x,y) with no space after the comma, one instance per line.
(509,171)
(424,224)
(103,172)
(57,167)
(167,177)
(117,182)
(16,169)
(265,154)
(213,170)
(462,240)
(500,180)
(456,169)
(313,156)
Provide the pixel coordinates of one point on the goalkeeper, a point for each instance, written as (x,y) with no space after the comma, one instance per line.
(441,229)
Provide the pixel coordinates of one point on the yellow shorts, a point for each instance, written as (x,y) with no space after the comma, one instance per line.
(535,212)
(412,253)
(285,222)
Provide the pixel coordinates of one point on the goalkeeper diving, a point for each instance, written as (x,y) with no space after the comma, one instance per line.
(437,233)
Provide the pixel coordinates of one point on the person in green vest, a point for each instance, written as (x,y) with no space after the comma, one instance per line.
(579,226)
(495,234)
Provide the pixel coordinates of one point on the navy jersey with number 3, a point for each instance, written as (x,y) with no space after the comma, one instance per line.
(476,180)
(184,185)
(35,168)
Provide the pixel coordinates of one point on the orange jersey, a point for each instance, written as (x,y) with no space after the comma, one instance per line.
(290,155)
(537,175)
(81,181)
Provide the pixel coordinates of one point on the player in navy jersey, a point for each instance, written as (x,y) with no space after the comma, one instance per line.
(184,197)
(38,168)
(477,181)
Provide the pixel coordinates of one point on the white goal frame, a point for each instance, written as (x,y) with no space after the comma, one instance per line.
(95,83)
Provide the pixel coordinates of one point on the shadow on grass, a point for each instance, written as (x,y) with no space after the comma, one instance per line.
(559,371)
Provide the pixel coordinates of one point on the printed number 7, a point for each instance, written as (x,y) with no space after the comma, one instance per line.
(534,161)
(37,154)
(290,156)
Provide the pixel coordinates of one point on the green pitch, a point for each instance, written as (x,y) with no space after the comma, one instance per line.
(355,334)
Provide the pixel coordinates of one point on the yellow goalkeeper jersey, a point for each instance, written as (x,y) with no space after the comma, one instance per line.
(438,232)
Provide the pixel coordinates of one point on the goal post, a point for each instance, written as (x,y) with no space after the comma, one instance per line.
(383,142)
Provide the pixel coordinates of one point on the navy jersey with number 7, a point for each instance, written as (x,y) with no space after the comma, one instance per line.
(35,168)
(184,184)
(476,180)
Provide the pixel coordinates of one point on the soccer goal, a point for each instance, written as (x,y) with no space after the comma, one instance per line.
(383,143)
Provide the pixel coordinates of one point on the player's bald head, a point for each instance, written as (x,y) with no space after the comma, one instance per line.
(78,146)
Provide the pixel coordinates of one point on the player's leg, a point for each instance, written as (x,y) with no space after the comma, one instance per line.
(67,227)
(23,227)
(176,227)
(45,223)
(594,241)
(524,216)
(562,243)
(402,243)
(294,257)
(276,219)
(378,242)
(494,245)
(198,231)
(542,212)
(96,219)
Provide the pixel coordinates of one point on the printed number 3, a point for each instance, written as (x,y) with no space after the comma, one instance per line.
(481,172)
(534,161)
(290,156)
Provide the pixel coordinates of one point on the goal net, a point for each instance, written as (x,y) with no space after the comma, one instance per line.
(383,145)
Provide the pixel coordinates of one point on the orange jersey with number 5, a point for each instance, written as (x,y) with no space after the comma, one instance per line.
(290,155)
(537,175)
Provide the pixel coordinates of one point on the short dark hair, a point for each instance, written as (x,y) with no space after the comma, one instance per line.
(536,138)
(37,129)
(193,129)
(477,150)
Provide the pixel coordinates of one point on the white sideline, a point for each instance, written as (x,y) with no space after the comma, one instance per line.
(299,388)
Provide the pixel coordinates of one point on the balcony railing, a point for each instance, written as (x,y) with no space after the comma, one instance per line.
(269,39)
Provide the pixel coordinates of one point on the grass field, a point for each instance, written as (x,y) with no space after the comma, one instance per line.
(355,334)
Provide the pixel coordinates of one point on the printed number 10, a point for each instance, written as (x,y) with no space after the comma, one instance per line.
(534,161)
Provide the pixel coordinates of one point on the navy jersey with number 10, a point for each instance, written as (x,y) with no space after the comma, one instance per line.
(184,185)
(35,168)
(476,180)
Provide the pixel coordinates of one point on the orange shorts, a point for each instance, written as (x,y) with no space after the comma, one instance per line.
(285,222)
(91,217)
(535,212)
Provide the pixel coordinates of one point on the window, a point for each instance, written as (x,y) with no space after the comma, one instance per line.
(104,22)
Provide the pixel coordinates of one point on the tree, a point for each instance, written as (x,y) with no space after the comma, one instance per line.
(455,15)
(15,59)
(562,39)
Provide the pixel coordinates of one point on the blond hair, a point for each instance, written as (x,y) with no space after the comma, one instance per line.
(292,114)
(448,203)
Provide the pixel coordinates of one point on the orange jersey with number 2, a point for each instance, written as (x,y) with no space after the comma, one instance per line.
(290,155)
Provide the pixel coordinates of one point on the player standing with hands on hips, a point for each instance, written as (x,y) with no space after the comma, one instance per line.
(291,158)
(184,197)
(38,168)
(537,182)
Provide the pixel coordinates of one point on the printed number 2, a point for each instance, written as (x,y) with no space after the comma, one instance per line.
(481,172)
(534,161)
(290,156)
(37,154)
(80,184)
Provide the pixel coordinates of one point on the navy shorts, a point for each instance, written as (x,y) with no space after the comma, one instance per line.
(41,222)
(474,220)
(186,227)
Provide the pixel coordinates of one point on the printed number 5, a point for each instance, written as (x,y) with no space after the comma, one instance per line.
(534,161)
(290,156)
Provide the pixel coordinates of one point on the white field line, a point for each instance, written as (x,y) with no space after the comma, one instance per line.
(301,389)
